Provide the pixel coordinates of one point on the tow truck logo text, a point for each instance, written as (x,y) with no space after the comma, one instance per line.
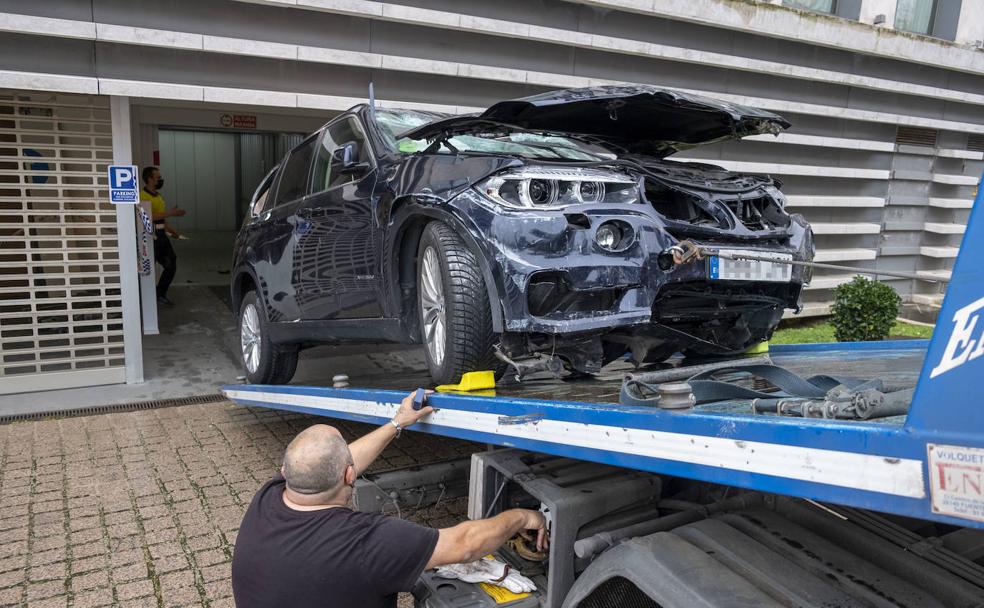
(961,347)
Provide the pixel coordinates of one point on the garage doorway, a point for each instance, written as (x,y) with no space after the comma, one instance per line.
(212,175)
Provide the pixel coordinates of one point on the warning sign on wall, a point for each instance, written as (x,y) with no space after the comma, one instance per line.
(238,121)
(956,476)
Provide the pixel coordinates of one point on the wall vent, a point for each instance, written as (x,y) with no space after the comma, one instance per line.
(975,142)
(916,136)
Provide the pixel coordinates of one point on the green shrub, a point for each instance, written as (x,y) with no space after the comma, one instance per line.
(864,310)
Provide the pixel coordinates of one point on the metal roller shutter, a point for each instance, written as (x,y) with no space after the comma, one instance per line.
(60,306)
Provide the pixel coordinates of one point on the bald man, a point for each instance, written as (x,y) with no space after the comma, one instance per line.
(301,545)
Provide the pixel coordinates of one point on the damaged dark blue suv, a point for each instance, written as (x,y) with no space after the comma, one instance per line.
(536,234)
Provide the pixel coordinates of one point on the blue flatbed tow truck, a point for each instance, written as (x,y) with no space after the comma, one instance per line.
(900,499)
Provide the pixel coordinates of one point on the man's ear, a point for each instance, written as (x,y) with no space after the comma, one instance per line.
(350,475)
(282,472)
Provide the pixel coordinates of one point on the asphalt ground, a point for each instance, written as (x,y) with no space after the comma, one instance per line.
(142,508)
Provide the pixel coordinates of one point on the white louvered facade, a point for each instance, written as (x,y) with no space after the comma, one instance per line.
(60,306)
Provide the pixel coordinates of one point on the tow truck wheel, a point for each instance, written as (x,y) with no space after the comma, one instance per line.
(453,307)
(263,361)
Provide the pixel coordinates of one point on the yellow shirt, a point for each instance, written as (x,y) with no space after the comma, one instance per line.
(156,201)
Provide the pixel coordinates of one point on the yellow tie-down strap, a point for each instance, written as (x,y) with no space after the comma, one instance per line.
(501,595)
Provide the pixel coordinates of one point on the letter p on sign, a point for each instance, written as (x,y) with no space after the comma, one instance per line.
(123,184)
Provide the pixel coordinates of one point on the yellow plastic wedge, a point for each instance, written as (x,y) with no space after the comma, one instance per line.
(758,349)
(470,381)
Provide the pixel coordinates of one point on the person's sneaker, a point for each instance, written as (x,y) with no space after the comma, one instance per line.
(164,300)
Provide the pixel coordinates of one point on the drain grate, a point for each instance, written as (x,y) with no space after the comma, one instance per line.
(133,406)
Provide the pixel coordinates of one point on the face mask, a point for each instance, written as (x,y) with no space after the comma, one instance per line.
(159,184)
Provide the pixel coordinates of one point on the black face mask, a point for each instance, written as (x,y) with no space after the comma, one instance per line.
(159,184)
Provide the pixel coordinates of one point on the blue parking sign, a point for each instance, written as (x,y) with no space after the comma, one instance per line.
(123,184)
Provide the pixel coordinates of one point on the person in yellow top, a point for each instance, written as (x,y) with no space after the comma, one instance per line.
(163,251)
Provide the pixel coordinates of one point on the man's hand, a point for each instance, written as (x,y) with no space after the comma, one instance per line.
(470,540)
(406,415)
(176,212)
(536,521)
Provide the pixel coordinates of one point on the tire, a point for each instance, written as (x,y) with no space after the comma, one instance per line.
(453,307)
(263,361)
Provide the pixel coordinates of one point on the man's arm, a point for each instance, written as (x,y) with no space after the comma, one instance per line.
(367,448)
(470,540)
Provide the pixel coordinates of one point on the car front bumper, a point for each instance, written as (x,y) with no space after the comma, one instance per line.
(554,278)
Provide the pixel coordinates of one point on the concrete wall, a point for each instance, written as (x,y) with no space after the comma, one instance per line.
(968,15)
(872,8)
(846,86)
(970,28)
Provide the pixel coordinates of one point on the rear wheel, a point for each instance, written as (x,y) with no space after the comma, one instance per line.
(263,361)
(453,305)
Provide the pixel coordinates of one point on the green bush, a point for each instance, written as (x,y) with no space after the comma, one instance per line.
(864,310)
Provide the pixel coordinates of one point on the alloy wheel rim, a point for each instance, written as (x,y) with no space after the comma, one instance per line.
(250,339)
(432,305)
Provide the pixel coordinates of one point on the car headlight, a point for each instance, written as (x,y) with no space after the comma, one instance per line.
(553,188)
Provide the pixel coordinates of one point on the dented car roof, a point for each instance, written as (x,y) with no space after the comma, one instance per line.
(640,118)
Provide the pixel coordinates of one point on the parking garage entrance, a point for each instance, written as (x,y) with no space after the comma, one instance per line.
(212,175)
(212,157)
(62,314)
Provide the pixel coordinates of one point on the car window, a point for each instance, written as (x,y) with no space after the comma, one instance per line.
(294,176)
(337,134)
(529,145)
(262,198)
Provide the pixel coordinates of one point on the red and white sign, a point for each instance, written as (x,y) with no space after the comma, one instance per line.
(238,121)
(243,121)
(956,478)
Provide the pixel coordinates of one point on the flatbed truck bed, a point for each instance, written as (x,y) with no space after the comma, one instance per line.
(877,464)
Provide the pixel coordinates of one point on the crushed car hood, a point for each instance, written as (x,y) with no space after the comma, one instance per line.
(637,118)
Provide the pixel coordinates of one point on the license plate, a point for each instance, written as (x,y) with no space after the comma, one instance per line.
(722,269)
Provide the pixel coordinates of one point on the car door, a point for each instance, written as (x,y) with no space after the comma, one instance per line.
(281,229)
(339,254)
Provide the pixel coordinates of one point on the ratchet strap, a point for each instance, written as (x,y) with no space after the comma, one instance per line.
(817,396)
(706,389)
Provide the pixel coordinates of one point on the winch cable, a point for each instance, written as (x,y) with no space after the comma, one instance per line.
(686,250)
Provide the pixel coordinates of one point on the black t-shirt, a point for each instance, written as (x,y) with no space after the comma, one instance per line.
(332,558)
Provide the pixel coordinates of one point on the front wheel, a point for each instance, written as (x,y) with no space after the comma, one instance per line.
(263,361)
(453,306)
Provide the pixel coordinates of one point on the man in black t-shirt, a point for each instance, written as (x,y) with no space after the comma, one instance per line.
(300,544)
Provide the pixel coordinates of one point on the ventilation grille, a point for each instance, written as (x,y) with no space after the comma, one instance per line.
(915,136)
(113,409)
(617,592)
(975,142)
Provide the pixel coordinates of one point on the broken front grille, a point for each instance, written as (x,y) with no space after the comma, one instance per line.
(760,213)
(756,213)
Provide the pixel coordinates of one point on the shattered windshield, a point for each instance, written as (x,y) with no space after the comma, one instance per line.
(528,145)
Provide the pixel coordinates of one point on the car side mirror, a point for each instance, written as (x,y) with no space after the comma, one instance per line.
(344,158)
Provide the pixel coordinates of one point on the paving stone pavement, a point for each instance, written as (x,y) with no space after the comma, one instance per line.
(142,508)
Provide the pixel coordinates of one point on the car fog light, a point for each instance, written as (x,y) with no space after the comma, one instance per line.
(609,236)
